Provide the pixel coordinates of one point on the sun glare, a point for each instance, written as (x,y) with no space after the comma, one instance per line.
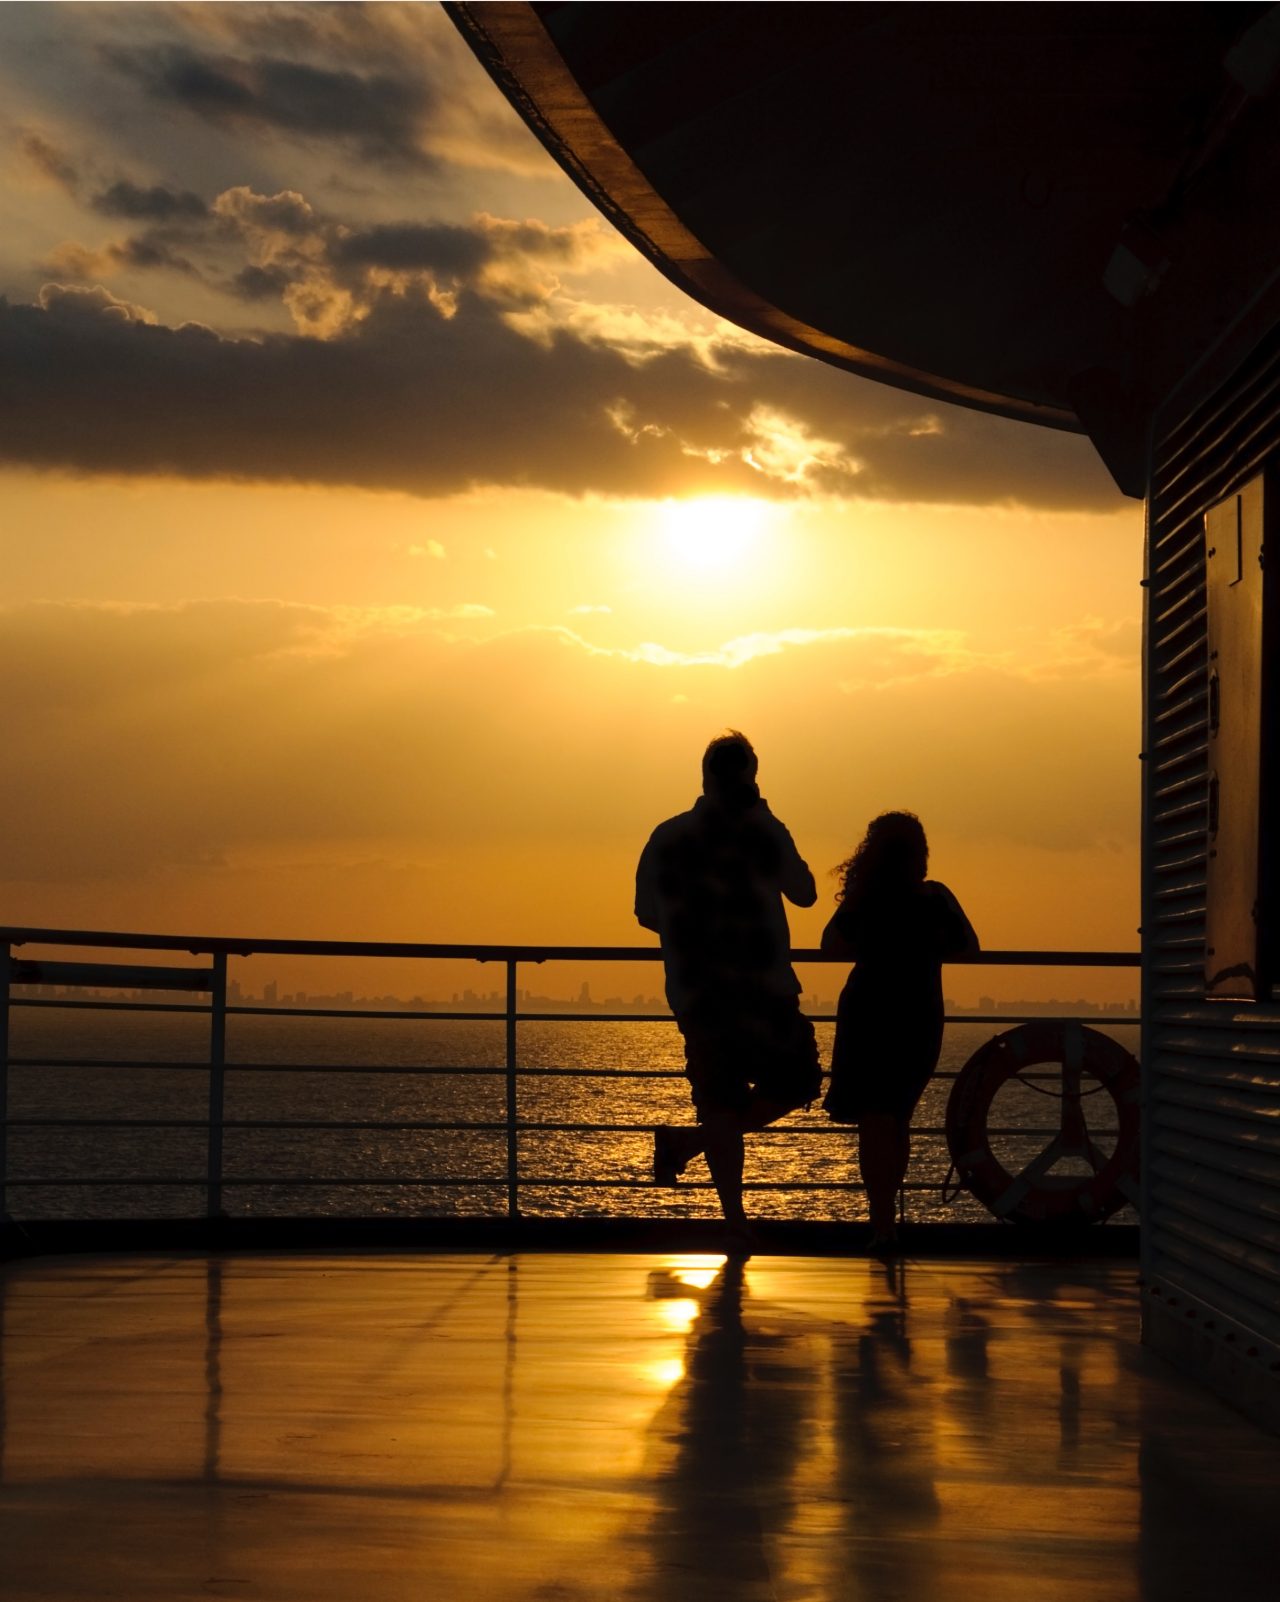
(714,533)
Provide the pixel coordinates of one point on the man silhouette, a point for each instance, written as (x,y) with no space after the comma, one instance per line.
(710,884)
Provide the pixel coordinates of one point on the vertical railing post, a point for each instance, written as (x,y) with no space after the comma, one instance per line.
(6,968)
(513,1155)
(1073,1128)
(217,1081)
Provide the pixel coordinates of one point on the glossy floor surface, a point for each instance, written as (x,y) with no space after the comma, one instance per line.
(559,1427)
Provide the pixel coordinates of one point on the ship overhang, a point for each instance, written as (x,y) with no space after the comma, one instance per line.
(1016,208)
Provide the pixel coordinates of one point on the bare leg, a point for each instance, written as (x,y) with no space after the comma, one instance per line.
(723,1144)
(884,1146)
(904,1152)
(722,1135)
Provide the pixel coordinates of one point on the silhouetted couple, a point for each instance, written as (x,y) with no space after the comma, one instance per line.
(711,883)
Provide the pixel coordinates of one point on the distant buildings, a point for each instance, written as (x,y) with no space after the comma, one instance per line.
(529,1001)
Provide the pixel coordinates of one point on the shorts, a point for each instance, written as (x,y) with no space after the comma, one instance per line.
(766,1046)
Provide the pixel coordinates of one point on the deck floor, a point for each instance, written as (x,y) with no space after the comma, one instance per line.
(565,1426)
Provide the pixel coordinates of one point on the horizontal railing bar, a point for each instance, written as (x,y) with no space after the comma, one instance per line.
(425,1070)
(352,1068)
(1122,1020)
(571,1183)
(266,1067)
(265,1123)
(103,1062)
(444,1182)
(792,1132)
(199,1181)
(197,945)
(918,1187)
(383,1012)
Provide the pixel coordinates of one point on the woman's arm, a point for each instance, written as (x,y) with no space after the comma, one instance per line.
(959,939)
(836,939)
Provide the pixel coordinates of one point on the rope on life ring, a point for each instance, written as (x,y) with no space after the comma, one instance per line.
(1036,1195)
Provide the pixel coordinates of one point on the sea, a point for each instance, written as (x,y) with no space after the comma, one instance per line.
(108,1114)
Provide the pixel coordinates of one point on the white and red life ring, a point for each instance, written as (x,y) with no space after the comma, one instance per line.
(1036,1195)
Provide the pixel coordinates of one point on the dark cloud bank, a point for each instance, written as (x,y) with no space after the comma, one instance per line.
(380,114)
(422,384)
(415,400)
(155,203)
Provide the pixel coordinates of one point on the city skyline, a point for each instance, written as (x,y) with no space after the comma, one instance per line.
(642,1004)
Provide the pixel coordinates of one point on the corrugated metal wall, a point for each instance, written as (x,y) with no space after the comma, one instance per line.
(1211,1182)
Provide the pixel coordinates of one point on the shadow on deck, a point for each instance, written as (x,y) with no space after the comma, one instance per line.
(583,1425)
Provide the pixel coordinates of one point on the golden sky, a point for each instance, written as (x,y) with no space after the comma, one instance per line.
(383,540)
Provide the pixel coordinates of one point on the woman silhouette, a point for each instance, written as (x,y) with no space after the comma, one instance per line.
(898,928)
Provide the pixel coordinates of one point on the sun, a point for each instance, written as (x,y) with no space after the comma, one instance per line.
(713,534)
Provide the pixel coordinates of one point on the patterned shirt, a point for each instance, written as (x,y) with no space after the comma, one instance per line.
(710,882)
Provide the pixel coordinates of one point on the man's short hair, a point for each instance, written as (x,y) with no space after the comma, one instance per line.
(729,759)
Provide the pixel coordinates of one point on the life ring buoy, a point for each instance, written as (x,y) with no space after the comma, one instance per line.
(1036,1195)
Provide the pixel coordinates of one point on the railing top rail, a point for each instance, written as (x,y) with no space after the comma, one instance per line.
(238,946)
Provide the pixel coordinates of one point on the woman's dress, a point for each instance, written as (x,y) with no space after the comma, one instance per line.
(890,1016)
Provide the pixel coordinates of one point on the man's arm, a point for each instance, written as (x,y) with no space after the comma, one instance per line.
(794,878)
(647,889)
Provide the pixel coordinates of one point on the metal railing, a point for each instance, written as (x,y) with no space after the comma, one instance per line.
(211,980)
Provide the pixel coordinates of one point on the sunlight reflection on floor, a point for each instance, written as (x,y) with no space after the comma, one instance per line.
(577,1425)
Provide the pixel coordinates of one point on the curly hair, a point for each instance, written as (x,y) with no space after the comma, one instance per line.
(893,853)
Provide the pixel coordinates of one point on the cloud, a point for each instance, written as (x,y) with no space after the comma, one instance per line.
(1094,646)
(589,611)
(409,91)
(156,203)
(206,731)
(143,253)
(49,160)
(379,115)
(286,216)
(462,252)
(430,548)
(329,274)
(435,398)
(915,653)
(254,283)
(72,306)
(415,247)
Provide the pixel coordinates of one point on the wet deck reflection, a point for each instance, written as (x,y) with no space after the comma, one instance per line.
(590,1426)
